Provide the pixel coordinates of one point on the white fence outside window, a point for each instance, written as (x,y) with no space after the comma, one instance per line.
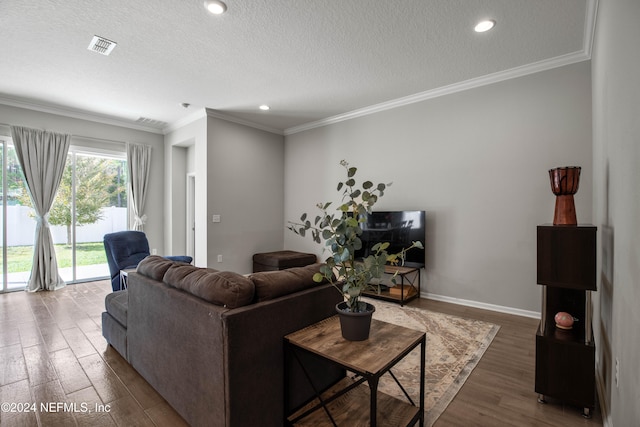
(21,226)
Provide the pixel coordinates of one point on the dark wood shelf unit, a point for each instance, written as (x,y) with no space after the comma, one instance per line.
(568,300)
(567,256)
(565,359)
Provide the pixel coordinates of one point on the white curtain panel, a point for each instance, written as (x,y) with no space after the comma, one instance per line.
(42,156)
(139,163)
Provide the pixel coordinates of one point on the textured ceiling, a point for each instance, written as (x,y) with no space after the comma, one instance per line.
(309,60)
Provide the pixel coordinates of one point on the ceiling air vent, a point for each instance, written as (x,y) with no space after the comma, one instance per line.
(151,122)
(101,45)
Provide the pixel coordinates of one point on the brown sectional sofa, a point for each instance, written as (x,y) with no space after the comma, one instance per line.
(211,343)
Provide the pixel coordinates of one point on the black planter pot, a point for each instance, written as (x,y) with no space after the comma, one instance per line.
(355,326)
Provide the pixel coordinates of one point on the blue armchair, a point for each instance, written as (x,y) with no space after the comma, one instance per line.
(125,249)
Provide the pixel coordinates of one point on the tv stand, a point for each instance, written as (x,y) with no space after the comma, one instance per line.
(406,290)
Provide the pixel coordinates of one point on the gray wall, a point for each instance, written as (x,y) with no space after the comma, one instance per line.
(84,128)
(239,176)
(186,152)
(476,162)
(245,187)
(616,154)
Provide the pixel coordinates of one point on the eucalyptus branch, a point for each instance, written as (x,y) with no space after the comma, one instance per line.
(341,231)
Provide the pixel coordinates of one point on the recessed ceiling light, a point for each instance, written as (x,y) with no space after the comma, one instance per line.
(483,26)
(264,107)
(216,7)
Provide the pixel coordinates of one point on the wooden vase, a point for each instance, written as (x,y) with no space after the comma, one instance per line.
(564,184)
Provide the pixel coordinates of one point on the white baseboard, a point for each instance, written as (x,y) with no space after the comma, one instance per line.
(482,305)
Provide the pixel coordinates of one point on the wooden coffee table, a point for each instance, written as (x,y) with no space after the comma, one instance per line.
(369,360)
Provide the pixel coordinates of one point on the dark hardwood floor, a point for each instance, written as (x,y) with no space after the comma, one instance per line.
(52,353)
(500,390)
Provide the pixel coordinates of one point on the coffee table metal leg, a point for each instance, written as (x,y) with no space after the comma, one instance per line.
(373,387)
(323,402)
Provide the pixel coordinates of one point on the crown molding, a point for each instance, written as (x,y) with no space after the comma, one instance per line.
(590,26)
(218,115)
(512,73)
(210,112)
(196,115)
(560,61)
(76,114)
(584,55)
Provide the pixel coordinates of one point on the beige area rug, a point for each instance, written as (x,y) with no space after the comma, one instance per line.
(455,345)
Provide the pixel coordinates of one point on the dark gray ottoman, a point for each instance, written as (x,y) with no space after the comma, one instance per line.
(281,260)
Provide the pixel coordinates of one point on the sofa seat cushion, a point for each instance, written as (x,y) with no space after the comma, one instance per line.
(274,284)
(116,304)
(224,288)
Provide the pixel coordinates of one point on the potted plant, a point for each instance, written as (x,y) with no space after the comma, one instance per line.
(341,229)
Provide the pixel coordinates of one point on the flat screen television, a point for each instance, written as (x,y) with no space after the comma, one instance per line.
(399,228)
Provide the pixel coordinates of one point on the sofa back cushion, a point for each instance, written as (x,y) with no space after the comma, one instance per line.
(274,284)
(179,272)
(224,288)
(154,267)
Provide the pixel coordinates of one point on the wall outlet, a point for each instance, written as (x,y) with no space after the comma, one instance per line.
(219,258)
(617,375)
(154,251)
(216,218)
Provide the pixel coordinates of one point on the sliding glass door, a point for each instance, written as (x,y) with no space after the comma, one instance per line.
(91,201)
(18,223)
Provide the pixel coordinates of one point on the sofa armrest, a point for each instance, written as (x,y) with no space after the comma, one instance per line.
(255,359)
(176,342)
